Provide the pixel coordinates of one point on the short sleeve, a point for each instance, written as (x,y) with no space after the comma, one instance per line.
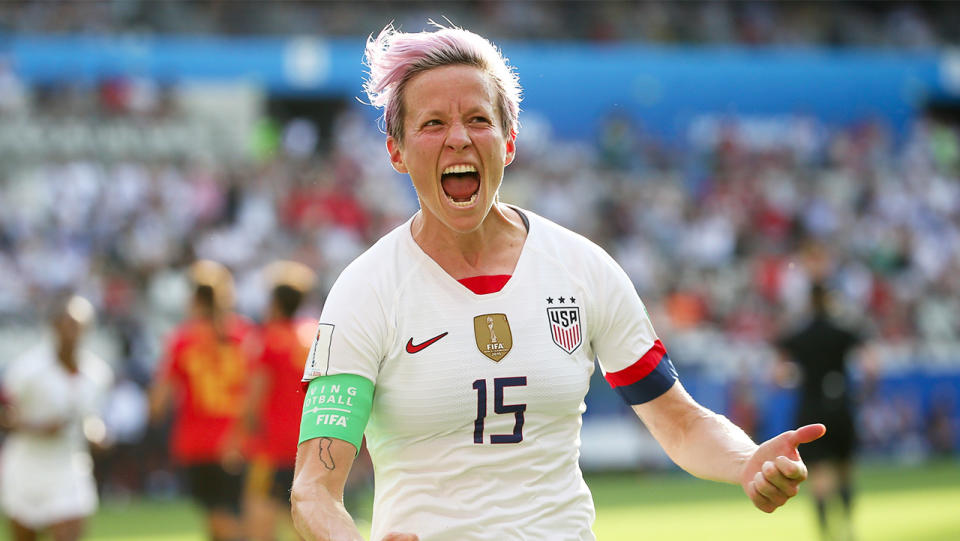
(633,360)
(15,380)
(353,333)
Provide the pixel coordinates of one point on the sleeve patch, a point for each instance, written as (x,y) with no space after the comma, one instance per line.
(318,360)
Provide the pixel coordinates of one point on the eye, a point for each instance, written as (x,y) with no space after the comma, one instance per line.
(432,122)
(480,120)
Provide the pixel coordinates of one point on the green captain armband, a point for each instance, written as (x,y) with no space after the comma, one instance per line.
(337,407)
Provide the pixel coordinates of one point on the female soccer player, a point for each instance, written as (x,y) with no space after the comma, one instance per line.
(467,337)
(46,467)
(203,379)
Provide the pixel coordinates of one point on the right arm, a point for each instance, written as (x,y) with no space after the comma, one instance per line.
(159,396)
(12,422)
(317,496)
(353,310)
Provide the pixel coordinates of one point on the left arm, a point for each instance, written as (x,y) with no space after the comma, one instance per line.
(709,446)
(256,395)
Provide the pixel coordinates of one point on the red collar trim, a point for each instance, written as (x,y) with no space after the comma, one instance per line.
(483,285)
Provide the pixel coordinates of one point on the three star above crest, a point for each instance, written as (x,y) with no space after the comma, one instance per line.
(561,299)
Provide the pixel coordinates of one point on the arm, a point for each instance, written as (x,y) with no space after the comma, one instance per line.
(160,395)
(709,446)
(12,418)
(317,495)
(259,384)
(163,388)
(12,422)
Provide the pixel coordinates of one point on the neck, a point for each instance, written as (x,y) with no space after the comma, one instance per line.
(492,248)
(67,356)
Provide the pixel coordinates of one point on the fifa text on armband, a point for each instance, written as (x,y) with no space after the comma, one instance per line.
(331,419)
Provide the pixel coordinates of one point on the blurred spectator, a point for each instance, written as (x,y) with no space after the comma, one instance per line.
(876,24)
(941,424)
(121,467)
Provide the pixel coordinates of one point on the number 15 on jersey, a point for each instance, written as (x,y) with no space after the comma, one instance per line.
(499,384)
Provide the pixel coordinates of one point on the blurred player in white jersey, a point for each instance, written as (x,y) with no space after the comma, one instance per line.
(47,471)
(467,336)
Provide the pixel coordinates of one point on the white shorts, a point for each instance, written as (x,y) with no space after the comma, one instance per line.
(38,491)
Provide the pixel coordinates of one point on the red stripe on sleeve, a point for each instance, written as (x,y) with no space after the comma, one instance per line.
(638,370)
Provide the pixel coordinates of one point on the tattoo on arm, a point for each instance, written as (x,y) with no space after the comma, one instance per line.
(325,455)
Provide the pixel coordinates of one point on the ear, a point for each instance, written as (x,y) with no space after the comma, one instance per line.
(396,156)
(511,148)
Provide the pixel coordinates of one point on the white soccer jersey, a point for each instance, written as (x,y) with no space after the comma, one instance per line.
(49,478)
(475,427)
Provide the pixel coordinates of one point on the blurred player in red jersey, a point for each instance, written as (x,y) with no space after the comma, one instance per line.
(274,400)
(204,375)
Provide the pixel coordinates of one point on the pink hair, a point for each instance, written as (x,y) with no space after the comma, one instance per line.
(394,57)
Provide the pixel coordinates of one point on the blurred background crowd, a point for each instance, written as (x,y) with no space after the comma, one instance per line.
(868,24)
(109,188)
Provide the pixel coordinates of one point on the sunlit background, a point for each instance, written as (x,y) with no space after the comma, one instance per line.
(726,154)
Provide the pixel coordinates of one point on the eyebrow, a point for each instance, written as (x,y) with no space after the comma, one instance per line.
(477,109)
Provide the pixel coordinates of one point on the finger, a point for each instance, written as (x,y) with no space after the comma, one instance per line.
(808,433)
(760,501)
(794,470)
(786,486)
(768,490)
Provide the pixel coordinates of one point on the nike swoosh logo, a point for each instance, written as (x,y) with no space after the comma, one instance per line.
(413,348)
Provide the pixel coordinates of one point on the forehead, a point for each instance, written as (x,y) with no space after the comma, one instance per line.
(449,88)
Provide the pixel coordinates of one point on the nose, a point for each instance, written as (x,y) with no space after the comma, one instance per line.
(457,137)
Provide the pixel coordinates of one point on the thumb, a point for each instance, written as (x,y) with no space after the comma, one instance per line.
(808,433)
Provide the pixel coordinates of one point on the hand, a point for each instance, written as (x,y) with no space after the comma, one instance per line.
(771,476)
(8,417)
(231,453)
(394,536)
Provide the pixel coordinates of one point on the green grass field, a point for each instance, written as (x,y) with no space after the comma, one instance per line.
(894,504)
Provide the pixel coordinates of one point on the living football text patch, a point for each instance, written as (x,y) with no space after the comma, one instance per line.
(337,407)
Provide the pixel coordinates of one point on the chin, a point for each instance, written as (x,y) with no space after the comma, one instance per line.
(463,225)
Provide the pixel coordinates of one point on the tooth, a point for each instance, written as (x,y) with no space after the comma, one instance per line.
(460,168)
(464,204)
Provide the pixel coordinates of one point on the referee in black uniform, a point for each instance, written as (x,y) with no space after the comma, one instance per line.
(820,349)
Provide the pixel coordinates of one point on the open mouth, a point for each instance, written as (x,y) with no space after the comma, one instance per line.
(461,184)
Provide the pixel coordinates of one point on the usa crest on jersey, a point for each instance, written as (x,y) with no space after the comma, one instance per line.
(565,327)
